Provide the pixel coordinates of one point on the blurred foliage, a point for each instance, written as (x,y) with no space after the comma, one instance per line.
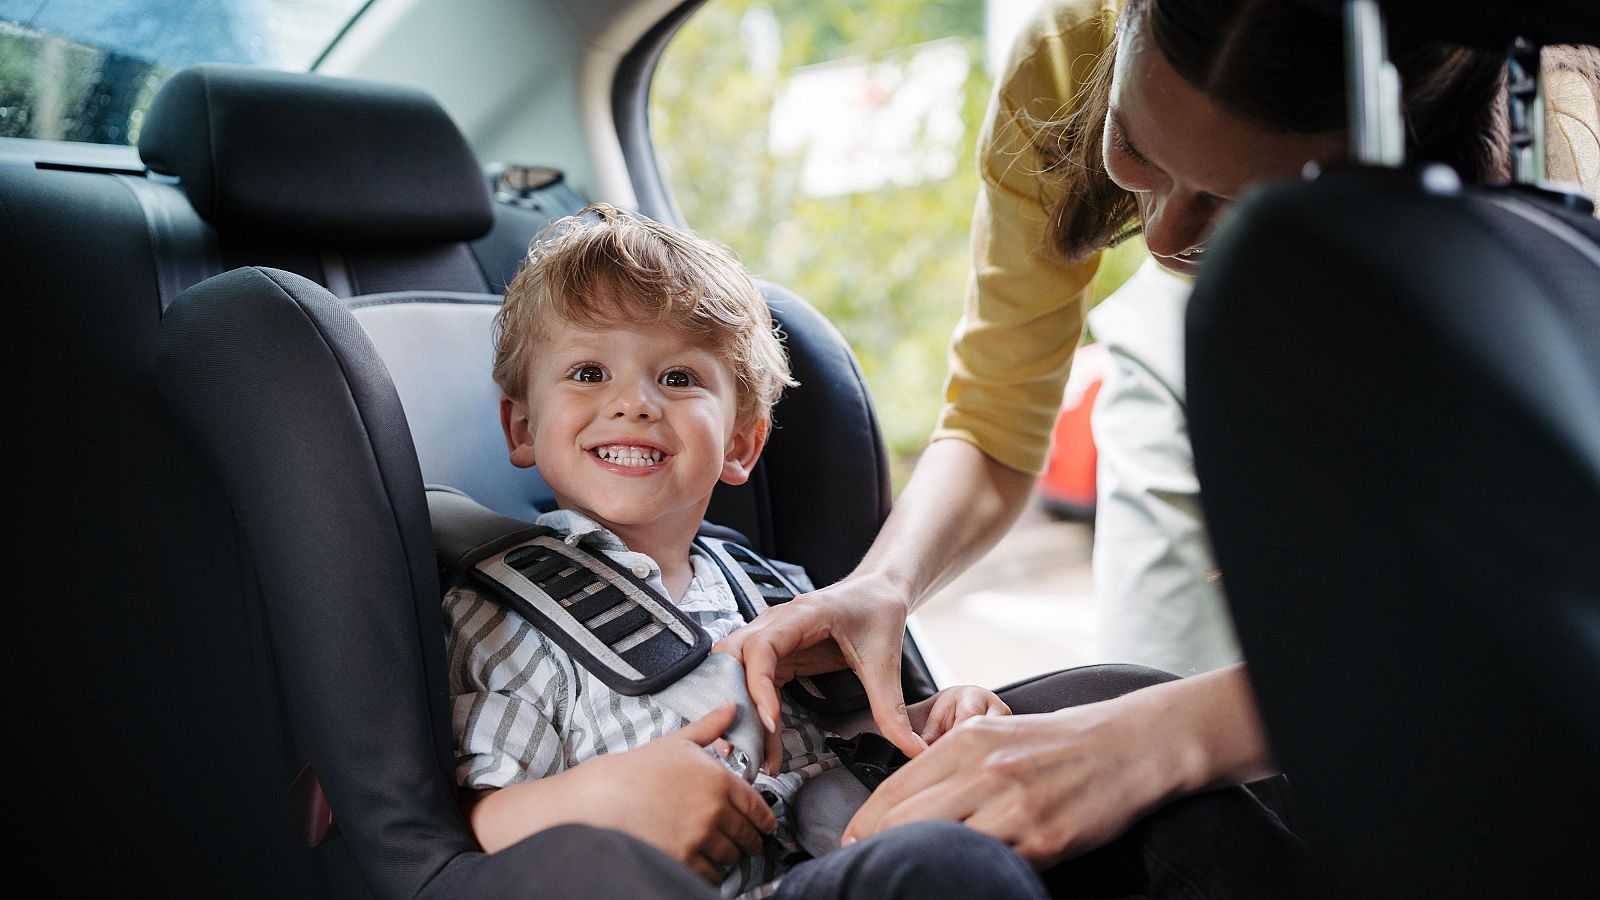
(888,267)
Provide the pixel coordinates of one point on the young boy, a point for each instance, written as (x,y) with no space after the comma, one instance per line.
(639,367)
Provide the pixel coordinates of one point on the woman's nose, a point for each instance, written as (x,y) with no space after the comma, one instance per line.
(1177,222)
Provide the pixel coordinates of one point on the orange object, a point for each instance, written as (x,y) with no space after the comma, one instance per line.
(1067,487)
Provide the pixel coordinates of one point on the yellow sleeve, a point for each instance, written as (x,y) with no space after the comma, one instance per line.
(1024,309)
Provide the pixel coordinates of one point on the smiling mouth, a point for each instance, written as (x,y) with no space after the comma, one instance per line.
(628,455)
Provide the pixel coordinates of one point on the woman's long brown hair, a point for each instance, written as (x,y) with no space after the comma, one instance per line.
(1279,66)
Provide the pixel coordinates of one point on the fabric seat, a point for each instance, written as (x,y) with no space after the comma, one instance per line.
(239,600)
(1394,396)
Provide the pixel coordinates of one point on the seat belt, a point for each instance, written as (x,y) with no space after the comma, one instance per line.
(758,585)
(183,246)
(616,626)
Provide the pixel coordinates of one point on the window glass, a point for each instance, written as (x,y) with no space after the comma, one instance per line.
(830,143)
(86,70)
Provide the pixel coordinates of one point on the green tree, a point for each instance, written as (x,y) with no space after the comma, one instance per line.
(888,267)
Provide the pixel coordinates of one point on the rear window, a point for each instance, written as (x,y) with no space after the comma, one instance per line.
(86,70)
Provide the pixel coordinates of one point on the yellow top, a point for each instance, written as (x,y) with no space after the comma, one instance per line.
(1024,309)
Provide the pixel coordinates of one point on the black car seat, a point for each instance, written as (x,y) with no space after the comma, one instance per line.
(158,700)
(1394,398)
(262,593)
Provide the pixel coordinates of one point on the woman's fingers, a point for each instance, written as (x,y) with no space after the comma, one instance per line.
(954,800)
(880,676)
(916,776)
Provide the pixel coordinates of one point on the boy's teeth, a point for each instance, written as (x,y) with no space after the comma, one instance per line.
(625,455)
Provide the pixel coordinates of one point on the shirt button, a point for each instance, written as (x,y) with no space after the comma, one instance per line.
(641,570)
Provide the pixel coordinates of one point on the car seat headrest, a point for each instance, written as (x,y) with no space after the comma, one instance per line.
(331,160)
(1490,24)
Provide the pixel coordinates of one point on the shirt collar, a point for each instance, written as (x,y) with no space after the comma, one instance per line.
(580,528)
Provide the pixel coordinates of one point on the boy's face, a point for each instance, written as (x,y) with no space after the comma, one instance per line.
(632,426)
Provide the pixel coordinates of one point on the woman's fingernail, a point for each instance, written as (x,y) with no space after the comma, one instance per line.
(848,840)
(767,721)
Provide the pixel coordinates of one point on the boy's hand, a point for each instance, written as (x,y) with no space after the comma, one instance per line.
(669,793)
(672,795)
(936,715)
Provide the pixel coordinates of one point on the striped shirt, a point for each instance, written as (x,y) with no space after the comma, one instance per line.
(522,708)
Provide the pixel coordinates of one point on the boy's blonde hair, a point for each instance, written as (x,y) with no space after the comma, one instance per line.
(605,265)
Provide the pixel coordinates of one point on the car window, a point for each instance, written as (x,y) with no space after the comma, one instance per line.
(86,70)
(830,143)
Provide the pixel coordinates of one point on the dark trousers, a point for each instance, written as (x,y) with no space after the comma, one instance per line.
(1232,844)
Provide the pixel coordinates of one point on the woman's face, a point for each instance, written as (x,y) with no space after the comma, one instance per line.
(1183,157)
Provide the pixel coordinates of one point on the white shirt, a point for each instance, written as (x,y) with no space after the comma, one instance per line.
(522,708)
(1160,602)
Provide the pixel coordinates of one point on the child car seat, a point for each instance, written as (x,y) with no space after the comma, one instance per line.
(288,392)
(1394,394)
(224,613)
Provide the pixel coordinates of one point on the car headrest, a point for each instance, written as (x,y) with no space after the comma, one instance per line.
(328,160)
(1491,24)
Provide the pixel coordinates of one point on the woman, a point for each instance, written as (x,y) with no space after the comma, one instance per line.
(1096,130)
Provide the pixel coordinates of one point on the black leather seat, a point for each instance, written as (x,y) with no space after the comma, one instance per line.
(1394,390)
(250,587)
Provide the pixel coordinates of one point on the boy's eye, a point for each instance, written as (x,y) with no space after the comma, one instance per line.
(678,378)
(589,373)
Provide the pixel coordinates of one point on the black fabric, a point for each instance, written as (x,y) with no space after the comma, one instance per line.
(349,163)
(1393,401)
(353,614)
(157,734)
(821,489)
(500,253)
(183,247)
(446,267)
(1489,23)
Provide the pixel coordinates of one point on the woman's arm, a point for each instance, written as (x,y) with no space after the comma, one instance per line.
(957,504)
(1060,784)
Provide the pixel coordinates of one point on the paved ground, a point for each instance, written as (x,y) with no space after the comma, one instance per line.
(1026,608)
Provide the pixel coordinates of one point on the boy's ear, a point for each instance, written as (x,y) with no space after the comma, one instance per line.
(744,448)
(518,430)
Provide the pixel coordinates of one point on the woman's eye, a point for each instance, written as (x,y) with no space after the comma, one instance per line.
(589,373)
(677,378)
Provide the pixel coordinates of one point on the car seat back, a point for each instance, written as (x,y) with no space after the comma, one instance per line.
(1394,398)
(167,673)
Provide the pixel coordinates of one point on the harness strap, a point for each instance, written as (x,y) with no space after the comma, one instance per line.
(757,586)
(616,626)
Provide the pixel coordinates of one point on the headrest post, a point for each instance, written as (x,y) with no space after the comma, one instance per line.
(1372,87)
(1525,96)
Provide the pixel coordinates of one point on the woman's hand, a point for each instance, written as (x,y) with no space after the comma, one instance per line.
(937,715)
(856,624)
(1059,784)
(956,505)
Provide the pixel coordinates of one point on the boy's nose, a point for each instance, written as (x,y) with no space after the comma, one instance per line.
(634,402)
